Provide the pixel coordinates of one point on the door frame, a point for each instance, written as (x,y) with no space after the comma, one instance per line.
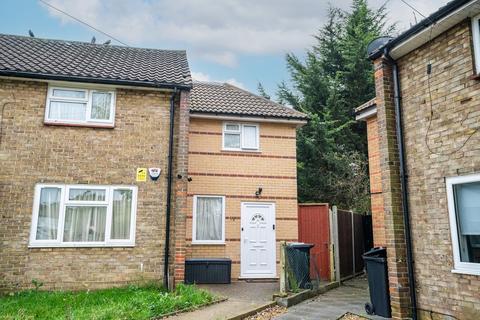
(243,275)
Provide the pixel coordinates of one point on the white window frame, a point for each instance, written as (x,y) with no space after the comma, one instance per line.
(194,221)
(476,42)
(459,266)
(88,100)
(241,133)
(64,202)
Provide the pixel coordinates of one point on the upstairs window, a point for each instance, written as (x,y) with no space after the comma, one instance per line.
(464,210)
(83,215)
(80,107)
(476,42)
(240,136)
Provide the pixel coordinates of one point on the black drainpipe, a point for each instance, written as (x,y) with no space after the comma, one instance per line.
(403,183)
(169,189)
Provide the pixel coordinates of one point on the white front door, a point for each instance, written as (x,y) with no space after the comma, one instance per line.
(258,248)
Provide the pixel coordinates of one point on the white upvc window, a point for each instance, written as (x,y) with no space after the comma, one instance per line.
(208,226)
(476,42)
(240,136)
(463,194)
(83,216)
(80,106)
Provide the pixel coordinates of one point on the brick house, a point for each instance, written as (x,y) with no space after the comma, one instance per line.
(424,159)
(242,150)
(80,125)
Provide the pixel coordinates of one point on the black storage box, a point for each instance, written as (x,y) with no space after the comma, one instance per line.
(377,272)
(208,270)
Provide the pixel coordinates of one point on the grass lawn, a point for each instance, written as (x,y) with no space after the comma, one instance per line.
(132,302)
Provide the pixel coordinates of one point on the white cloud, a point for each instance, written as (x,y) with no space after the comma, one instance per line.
(200,76)
(219,31)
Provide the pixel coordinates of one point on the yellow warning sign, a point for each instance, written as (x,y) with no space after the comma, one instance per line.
(141,174)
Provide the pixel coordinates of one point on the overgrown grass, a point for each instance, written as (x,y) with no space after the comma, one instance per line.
(132,302)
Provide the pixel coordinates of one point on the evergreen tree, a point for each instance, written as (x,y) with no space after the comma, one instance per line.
(334,78)
(262,92)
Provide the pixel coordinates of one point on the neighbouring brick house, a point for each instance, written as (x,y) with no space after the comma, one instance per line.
(424,150)
(80,124)
(242,150)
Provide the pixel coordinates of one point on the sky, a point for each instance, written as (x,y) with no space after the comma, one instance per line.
(242,42)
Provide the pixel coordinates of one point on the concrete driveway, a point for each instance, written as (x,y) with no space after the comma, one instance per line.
(351,296)
(242,296)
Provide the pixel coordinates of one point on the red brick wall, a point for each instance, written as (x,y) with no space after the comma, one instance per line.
(375,183)
(181,187)
(392,205)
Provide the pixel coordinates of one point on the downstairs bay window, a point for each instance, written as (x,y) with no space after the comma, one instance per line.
(83,216)
(208,220)
(464,209)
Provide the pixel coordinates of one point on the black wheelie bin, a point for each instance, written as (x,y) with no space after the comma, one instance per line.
(377,272)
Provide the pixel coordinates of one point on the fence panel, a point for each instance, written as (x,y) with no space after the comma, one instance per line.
(345,250)
(359,241)
(313,227)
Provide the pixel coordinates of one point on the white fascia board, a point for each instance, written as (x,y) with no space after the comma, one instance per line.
(366,114)
(298,123)
(469,10)
(87,85)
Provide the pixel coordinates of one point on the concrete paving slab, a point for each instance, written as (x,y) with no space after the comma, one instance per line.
(350,297)
(242,297)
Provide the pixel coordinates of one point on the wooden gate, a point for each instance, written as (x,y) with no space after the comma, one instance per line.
(314,227)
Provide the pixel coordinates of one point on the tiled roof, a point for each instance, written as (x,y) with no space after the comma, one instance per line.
(226,99)
(81,61)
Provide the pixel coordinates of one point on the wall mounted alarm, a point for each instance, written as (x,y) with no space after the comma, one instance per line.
(154,173)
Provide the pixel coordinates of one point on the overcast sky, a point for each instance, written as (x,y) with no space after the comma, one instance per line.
(239,41)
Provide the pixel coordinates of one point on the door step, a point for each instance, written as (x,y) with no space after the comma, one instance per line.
(258,280)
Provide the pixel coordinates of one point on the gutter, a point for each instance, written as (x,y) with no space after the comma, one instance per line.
(419,27)
(403,182)
(138,83)
(169,189)
(306,118)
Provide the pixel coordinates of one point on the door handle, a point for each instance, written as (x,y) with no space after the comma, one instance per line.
(273,227)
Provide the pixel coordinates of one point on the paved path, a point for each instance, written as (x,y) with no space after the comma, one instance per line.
(350,297)
(242,296)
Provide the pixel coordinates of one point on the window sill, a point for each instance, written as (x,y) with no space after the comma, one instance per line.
(208,243)
(85,125)
(242,150)
(82,245)
(475,76)
(467,271)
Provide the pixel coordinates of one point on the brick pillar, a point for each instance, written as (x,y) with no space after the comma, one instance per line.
(391,188)
(180,188)
(376,196)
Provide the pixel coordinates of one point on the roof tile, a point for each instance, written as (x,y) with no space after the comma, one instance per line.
(93,61)
(226,99)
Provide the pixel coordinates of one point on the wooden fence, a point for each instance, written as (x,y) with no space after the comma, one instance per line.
(340,238)
(314,227)
(351,237)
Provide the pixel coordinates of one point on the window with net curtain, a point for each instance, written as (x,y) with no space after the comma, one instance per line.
(467,208)
(209,219)
(238,136)
(85,216)
(80,106)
